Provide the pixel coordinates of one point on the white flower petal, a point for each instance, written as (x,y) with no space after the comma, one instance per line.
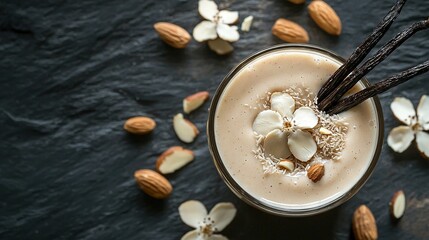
(422,140)
(403,110)
(305,118)
(204,31)
(217,237)
(192,212)
(302,145)
(246,24)
(423,112)
(227,32)
(228,17)
(191,235)
(283,103)
(220,46)
(267,121)
(207,9)
(400,138)
(275,143)
(222,214)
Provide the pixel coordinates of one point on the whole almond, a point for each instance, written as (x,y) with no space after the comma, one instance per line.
(397,204)
(364,226)
(153,183)
(139,125)
(289,31)
(316,172)
(172,34)
(325,17)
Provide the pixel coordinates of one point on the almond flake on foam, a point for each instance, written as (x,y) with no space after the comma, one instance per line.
(287,165)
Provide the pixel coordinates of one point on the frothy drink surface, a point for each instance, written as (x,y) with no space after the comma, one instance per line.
(238,107)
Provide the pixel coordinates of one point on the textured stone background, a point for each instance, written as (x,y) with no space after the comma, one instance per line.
(71,72)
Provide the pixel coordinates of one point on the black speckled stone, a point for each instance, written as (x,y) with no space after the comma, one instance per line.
(71,72)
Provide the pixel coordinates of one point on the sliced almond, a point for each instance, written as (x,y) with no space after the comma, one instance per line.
(305,118)
(194,101)
(302,145)
(287,165)
(173,159)
(275,144)
(220,46)
(397,204)
(282,103)
(325,131)
(364,225)
(246,24)
(289,31)
(316,172)
(185,130)
(267,121)
(325,17)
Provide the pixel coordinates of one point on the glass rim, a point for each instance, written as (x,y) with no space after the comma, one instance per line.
(242,193)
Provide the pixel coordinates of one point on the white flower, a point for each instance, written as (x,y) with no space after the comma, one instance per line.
(400,138)
(216,23)
(194,214)
(284,128)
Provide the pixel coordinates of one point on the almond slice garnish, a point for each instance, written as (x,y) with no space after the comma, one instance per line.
(173,159)
(397,204)
(302,145)
(287,165)
(194,101)
(275,143)
(266,121)
(220,46)
(246,24)
(282,103)
(185,130)
(305,118)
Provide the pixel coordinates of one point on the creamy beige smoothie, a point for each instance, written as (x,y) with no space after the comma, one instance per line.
(240,103)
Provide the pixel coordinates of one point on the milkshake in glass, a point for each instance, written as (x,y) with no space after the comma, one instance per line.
(347,145)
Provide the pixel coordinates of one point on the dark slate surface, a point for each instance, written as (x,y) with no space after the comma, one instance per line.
(72,71)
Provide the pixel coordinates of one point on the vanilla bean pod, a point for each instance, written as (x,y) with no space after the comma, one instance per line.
(382,86)
(335,95)
(360,53)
